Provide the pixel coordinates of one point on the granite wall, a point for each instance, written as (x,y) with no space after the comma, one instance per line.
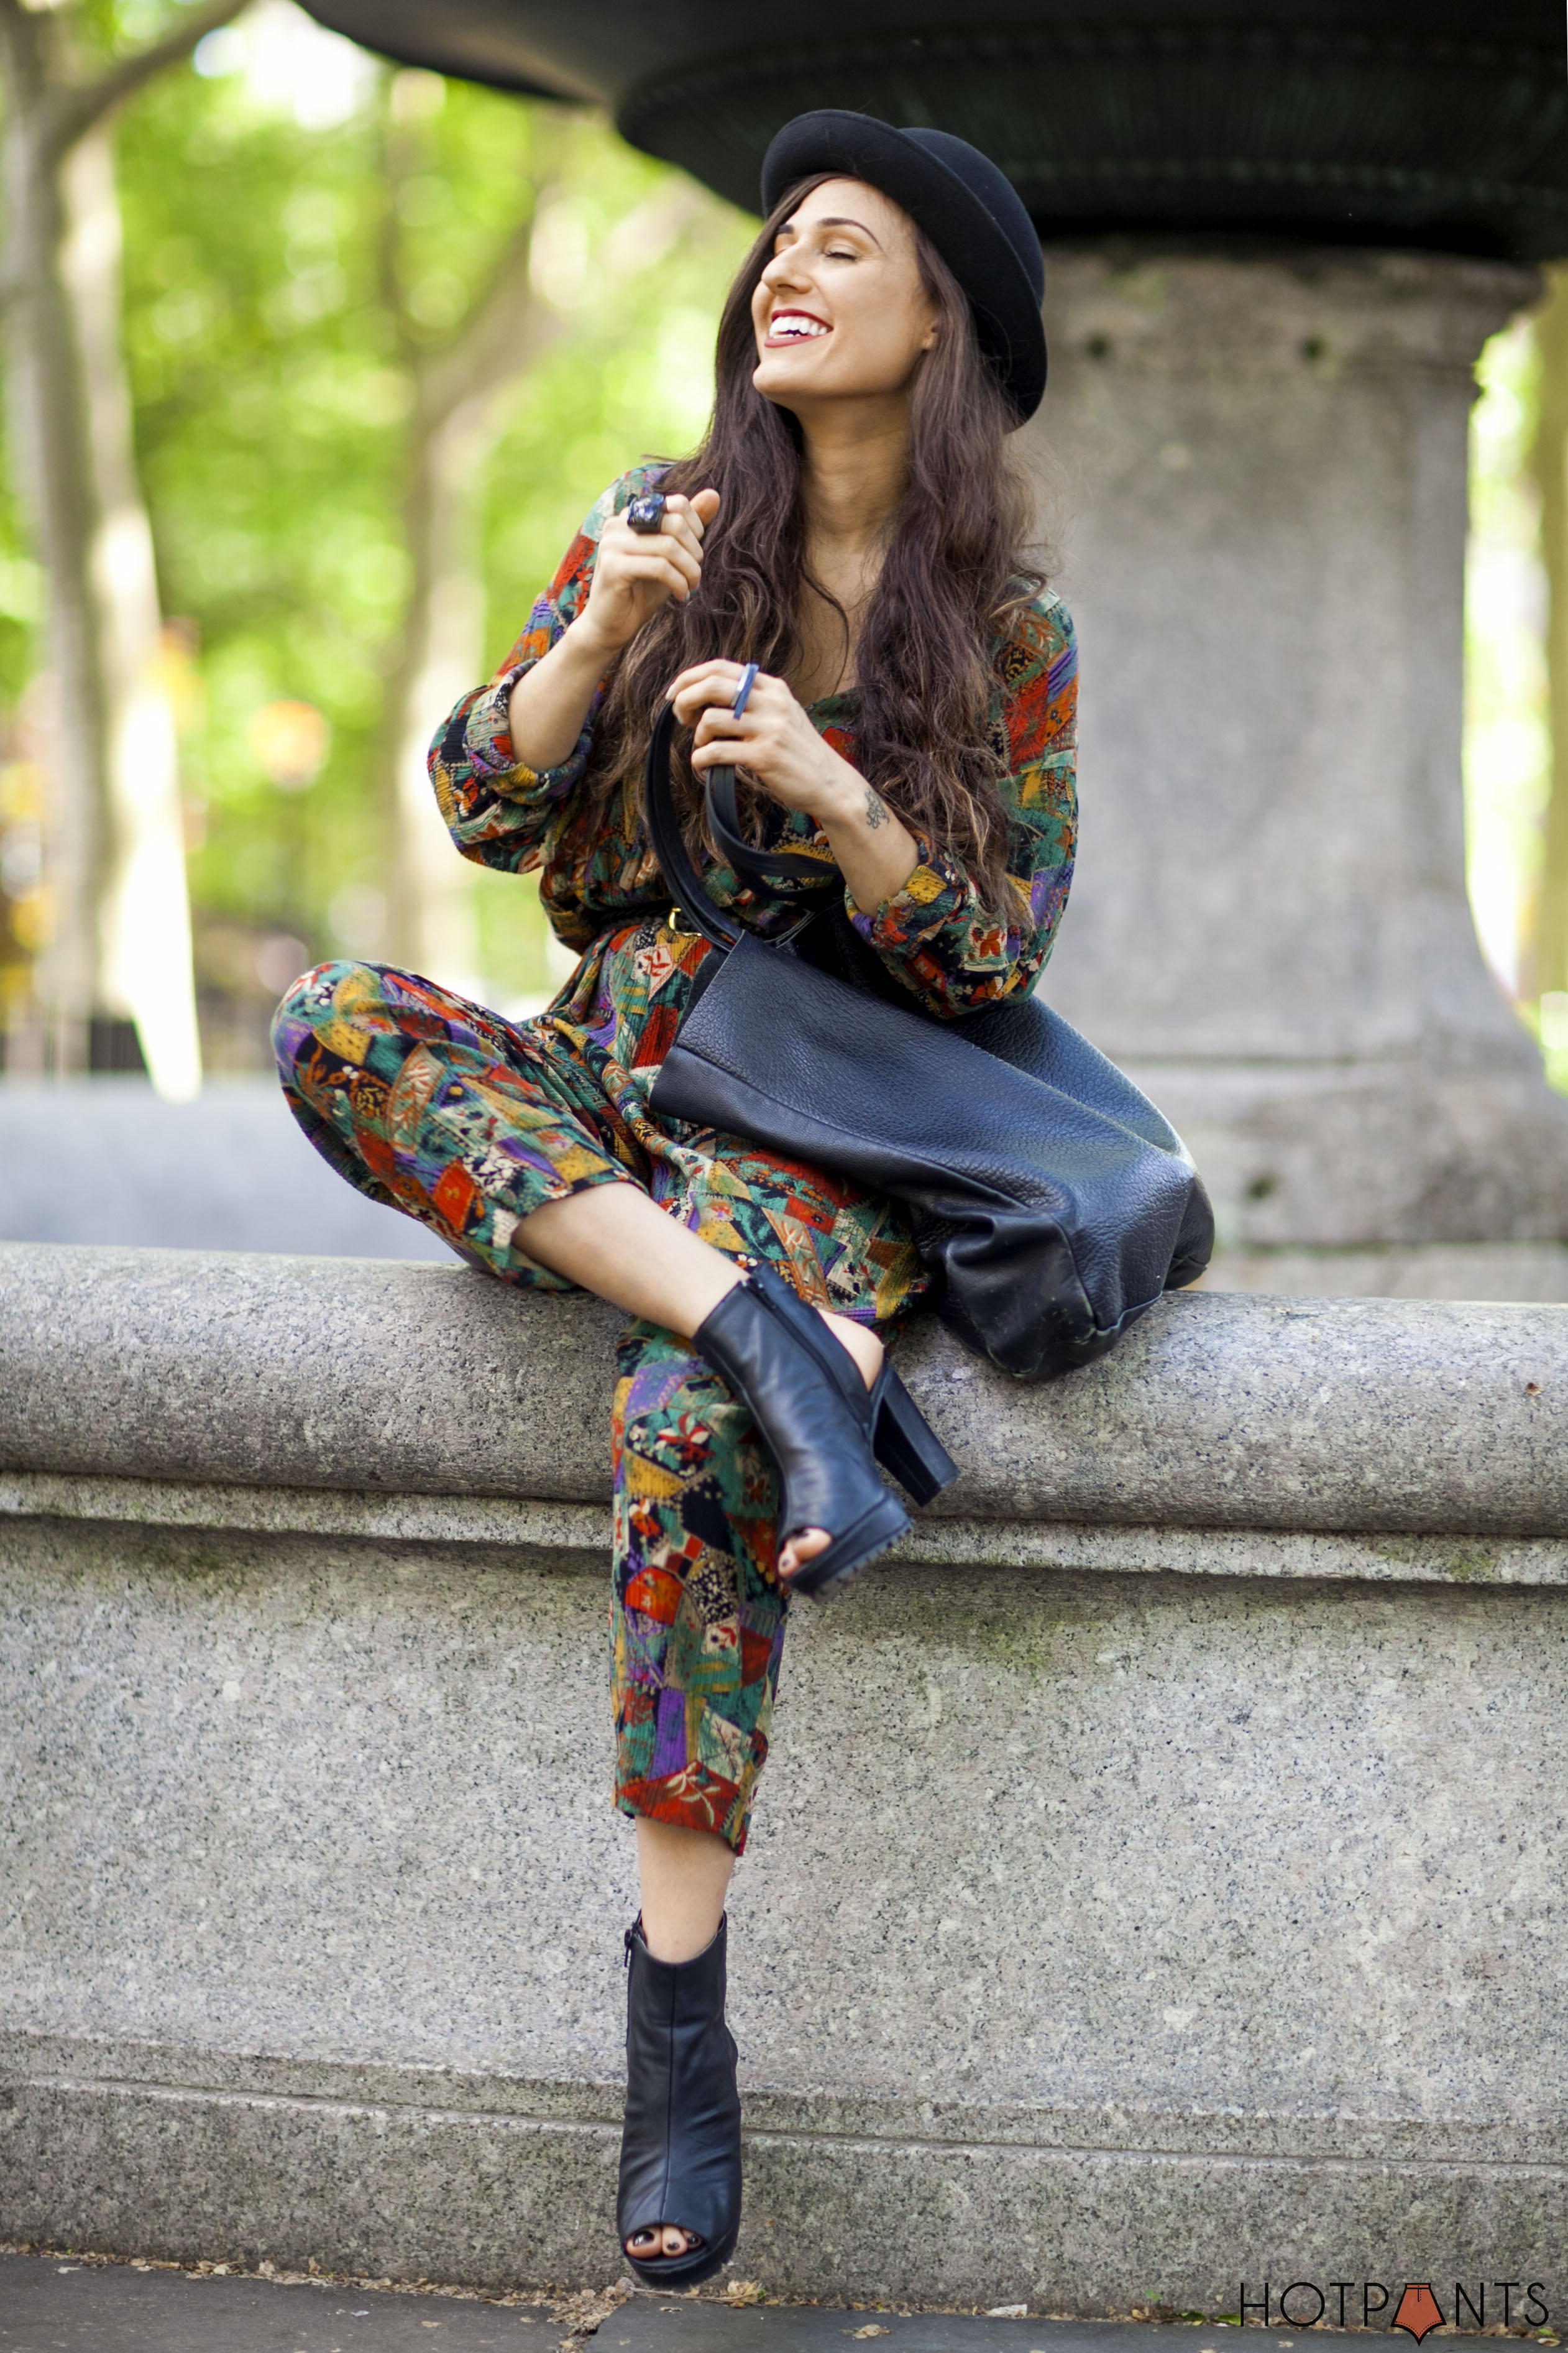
(1157,1879)
(1255,459)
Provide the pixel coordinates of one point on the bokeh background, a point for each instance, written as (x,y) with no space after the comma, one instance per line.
(372,343)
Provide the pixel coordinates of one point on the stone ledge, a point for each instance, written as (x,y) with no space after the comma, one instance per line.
(476,2198)
(576,1536)
(1222,1411)
(1160,1859)
(1521,2143)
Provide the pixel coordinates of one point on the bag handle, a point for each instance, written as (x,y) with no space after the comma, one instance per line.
(685,884)
(753,865)
(681,879)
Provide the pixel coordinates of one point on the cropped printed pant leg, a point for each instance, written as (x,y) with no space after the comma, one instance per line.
(469,1123)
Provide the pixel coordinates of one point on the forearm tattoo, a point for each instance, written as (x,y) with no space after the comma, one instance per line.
(876,811)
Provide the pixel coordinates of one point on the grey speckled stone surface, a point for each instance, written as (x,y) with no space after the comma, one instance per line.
(1157,1876)
(578,1535)
(1096,1930)
(1268,926)
(1217,1410)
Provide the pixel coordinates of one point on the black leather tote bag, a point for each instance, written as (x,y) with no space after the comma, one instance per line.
(1049,1199)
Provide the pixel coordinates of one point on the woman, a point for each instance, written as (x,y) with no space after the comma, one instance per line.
(855,526)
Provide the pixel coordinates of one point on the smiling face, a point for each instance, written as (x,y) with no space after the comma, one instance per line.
(839,311)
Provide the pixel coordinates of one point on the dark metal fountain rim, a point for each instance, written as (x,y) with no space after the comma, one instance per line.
(1447,138)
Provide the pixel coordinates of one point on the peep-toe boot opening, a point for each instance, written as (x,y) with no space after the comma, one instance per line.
(816,1426)
(680,2140)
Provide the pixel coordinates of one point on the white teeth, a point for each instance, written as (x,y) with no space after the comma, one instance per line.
(796,326)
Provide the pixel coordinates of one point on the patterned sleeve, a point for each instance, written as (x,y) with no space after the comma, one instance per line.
(937,935)
(497,810)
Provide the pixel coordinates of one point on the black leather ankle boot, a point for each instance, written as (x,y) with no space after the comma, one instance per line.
(816,1420)
(901,1437)
(680,2142)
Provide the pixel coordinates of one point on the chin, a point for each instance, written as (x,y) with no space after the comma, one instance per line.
(774,376)
(771,381)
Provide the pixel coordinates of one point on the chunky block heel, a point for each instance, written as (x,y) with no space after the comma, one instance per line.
(906,1444)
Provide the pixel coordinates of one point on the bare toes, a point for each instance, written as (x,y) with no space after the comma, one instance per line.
(802,1548)
(663,2239)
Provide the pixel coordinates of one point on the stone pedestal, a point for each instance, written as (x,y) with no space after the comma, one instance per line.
(1157,1879)
(1258,465)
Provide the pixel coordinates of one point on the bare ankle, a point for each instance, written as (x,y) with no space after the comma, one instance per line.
(859,1340)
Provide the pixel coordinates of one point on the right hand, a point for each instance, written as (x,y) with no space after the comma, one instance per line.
(636,573)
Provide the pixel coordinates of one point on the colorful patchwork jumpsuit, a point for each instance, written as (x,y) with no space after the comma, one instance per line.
(469,1123)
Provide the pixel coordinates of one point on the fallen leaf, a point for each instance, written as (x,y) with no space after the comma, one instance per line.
(872,2331)
(740,2291)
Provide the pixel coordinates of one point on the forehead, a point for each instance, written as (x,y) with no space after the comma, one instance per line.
(853,200)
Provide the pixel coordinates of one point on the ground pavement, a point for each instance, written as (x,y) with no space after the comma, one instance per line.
(50,2305)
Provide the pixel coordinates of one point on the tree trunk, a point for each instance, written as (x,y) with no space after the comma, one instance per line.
(461,387)
(431,921)
(1550,962)
(70,447)
(144,928)
(51,447)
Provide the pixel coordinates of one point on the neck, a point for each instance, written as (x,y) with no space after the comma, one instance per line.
(856,470)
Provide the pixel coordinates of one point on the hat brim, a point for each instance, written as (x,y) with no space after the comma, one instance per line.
(976,249)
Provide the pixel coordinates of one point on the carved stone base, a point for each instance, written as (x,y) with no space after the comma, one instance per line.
(1257,464)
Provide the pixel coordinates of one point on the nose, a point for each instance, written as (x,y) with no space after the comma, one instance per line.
(784,269)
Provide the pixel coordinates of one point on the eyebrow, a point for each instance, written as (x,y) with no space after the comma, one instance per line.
(836,220)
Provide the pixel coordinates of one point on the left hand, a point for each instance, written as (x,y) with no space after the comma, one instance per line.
(775,742)
(772,739)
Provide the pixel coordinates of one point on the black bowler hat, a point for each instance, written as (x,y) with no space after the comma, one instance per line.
(970,210)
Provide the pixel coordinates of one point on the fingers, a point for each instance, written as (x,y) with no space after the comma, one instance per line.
(679,533)
(737,755)
(767,718)
(704,699)
(663,554)
(690,517)
(710,684)
(707,684)
(681,522)
(635,573)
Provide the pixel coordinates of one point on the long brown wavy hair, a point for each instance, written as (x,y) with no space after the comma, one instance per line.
(955,569)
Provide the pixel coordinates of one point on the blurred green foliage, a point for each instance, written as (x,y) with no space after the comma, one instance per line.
(275,301)
(263,283)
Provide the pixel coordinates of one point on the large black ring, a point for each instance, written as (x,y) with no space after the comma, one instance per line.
(646,513)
